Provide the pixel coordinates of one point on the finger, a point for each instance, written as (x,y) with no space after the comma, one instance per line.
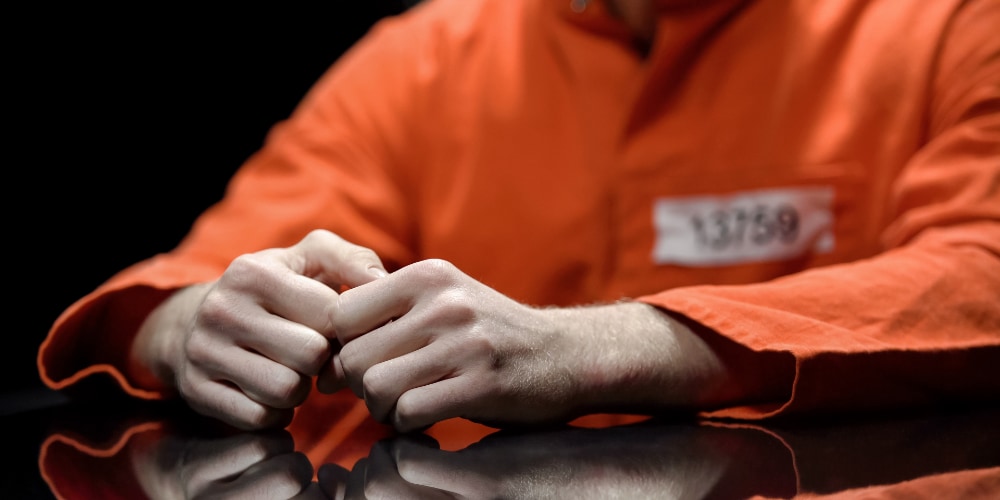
(363,309)
(360,310)
(255,305)
(230,405)
(423,406)
(270,278)
(331,378)
(261,379)
(385,383)
(330,259)
(389,341)
(300,299)
(291,344)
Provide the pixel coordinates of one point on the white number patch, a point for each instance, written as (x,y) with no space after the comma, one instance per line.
(751,226)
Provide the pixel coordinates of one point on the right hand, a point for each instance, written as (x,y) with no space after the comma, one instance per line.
(244,348)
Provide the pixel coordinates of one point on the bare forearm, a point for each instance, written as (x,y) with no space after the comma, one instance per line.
(635,357)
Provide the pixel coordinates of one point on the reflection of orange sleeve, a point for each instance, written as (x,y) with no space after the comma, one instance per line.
(982,484)
(74,469)
(891,461)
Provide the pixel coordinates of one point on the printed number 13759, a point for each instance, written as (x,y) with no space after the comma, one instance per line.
(737,226)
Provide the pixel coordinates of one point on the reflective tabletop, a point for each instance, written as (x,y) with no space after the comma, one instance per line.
(121,448)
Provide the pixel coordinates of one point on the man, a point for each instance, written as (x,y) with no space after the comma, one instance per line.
(526,211)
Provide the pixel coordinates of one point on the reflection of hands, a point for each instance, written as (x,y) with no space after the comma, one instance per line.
(244,348)
(247,465)
(642,461)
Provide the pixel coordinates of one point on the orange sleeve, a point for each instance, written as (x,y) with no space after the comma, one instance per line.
(919,323)
(327,166)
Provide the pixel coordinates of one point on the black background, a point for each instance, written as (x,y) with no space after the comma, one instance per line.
(122,126)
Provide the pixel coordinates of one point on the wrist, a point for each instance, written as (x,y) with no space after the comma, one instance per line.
(159,340)
(633,357)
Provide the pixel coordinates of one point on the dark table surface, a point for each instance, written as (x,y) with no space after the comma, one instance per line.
(60,448)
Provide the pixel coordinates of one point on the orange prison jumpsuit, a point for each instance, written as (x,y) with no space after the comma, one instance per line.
(813,178)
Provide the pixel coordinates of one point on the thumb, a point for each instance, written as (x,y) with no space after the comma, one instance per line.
(326,257)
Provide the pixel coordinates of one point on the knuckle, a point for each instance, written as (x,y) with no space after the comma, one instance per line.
(378,394)
(289,389)
(245,266)
(373,385)
(188,389)
(319,235)
(264,418)
(363,254)
(453,306)
(354,369)
(216,309)
(475,344)
(412,412)
(254,418)
(247,417)
(479,341)
(406,414)
(333,324)
(322,239)
(349,360)
(440,265)
(315,351)
(197,348)
(434,272)
(258,271)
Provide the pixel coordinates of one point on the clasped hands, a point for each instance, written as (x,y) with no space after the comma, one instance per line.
(420,345)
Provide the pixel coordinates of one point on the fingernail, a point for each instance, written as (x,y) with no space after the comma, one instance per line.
(376,272)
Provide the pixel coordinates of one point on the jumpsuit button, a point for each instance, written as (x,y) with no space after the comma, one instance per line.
(578,5)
